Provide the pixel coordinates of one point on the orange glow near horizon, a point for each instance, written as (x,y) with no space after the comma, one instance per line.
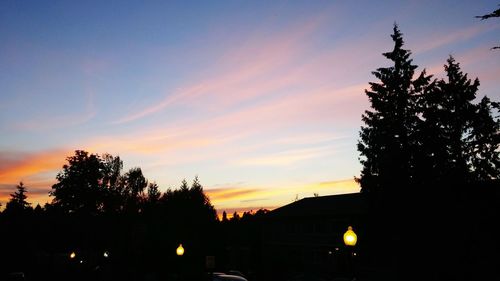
(239,200)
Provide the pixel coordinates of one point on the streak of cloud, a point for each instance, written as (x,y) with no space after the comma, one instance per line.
(242,74)
(440,40)
(36,170)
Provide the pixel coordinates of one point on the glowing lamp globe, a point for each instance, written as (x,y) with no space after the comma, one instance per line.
(180,250)
(350,238)
(72,255)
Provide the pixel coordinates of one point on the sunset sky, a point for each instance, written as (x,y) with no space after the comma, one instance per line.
(261,99)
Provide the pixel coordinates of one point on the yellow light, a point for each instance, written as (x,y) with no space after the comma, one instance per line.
(350,238)
(180,250)
(72,255)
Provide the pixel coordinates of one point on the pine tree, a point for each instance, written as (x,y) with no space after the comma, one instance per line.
(154,193)
(457,113)
(17,202)
(484,142)
(387,141)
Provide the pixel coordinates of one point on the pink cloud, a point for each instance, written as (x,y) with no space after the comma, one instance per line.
(286,158)
(243,73)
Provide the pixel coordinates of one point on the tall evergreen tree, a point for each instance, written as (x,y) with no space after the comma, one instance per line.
(17,203)
(457,113)
(387,140)
(484,142)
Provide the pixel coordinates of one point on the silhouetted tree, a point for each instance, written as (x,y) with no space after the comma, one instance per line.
(190,205)
(112,167)
(38,209)
(428,134)
(115,195)
(236,217)
(17,203)
(154,193)
(446,112)
(387,140)
(484,142)
(79,187)
(224,217)
(134,183)
(459,92)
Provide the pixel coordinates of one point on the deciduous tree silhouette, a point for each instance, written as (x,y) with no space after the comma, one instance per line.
(134,184)
(79,188)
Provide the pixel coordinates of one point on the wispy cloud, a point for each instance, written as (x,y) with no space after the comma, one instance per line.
(243,73)
(221,194)
(439,40)
(288,157)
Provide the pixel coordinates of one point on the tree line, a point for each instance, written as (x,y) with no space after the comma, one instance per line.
(97,208)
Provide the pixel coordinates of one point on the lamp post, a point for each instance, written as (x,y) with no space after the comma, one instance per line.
(180,262)
(180,250)
(350,240)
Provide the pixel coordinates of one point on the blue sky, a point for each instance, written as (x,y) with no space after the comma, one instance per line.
(261,99)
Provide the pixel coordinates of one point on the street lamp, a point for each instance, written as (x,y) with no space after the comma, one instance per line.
(350,238)
(180,250)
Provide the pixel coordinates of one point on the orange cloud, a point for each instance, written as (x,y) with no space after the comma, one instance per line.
(36,170)
(221,194)
(241,199)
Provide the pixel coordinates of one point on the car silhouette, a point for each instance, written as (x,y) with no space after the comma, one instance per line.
(219,276)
